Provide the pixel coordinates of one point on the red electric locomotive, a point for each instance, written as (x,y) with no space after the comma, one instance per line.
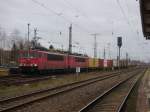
(41,61)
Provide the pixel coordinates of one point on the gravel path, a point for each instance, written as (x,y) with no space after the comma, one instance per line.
(143,91)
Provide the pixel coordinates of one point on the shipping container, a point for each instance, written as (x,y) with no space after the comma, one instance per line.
(109,63)
(93,63)
(101,63)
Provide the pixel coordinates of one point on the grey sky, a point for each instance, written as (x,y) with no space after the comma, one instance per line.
(86,16)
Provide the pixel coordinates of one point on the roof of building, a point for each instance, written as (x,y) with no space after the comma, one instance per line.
(145,17)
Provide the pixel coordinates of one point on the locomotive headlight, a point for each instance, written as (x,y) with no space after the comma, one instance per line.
(35,64)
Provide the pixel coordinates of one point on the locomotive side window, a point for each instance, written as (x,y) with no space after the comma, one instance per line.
(79,59)
(54,57)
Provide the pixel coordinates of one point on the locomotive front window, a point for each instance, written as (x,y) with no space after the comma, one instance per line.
(54,57)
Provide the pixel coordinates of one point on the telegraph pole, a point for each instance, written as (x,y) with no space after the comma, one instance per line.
(35,39)
(70,39)
(109,53)
(35,33)
(28,39)
(95,44)
(127,59)
(104,55)
(70,45)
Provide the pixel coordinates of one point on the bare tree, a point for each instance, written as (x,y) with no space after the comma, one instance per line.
(2,45)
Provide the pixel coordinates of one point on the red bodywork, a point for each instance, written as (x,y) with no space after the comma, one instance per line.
(101,63)
(77,61)
(42,60)
(109,63)
(24,60)
(55,64)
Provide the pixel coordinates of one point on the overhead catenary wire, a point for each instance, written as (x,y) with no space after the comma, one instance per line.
(127,19)
(122,11)
(43,5)
(124,14)
(136,30)
(72,7)
(60,14)
(80,12)
(127,5)
(76,9)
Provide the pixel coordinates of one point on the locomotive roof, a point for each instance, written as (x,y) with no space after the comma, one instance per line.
(57,53)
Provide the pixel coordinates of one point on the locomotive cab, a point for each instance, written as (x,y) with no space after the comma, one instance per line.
(28,61)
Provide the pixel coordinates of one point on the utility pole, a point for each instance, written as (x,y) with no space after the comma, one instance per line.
(28,39)
(95,44)
(70,39)
(127,59)
(60,33)
(35,39)
(109,52)
(35,33)
(99,54)
(70,45)
(62,47)
(104,56)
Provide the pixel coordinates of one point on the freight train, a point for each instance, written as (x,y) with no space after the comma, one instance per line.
(46,61)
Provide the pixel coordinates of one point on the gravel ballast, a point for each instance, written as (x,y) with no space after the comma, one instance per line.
(72,101)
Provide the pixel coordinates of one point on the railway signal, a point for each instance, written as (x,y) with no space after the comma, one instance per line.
(119,43)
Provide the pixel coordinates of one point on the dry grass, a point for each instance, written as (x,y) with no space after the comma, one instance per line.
(6,91)
(3,72)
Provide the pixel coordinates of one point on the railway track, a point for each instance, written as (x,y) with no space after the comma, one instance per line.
(22,79)
(20,101)
(113,100)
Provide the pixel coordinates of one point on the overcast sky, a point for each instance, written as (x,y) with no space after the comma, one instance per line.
(122,17)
